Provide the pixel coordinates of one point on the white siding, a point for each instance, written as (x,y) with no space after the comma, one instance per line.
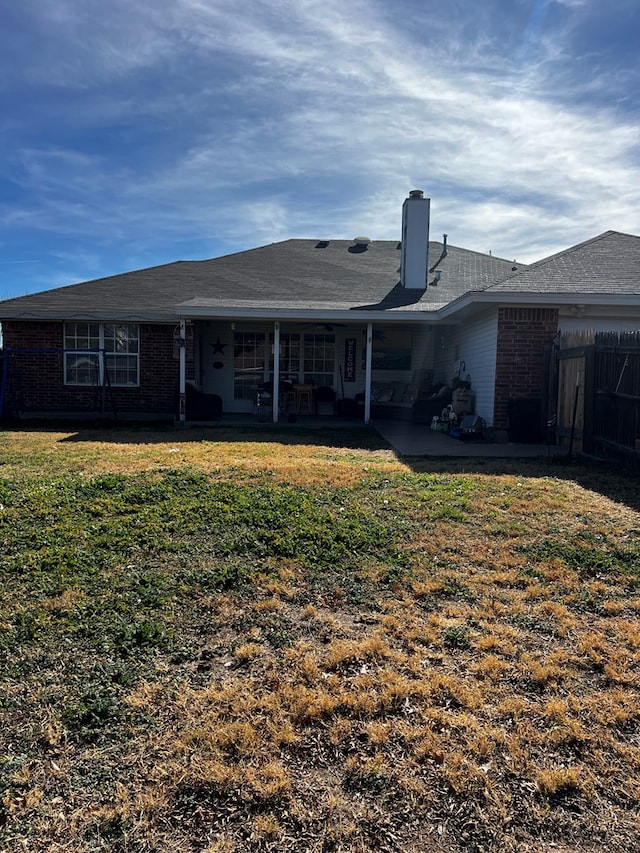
(475,344)
(422,347)
(478,346)
(444,349)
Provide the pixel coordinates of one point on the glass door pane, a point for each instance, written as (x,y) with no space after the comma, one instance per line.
(249,363)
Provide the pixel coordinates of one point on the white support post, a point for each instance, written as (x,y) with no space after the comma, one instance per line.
(367,374)
(276,371)
(102,368)
(182,344)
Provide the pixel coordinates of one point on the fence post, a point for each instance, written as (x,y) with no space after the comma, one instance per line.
(589,399)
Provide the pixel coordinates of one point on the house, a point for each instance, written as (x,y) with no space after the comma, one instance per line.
(393,325)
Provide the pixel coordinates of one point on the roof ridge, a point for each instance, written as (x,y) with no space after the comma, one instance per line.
(536,265)
(576,247)
(476,252)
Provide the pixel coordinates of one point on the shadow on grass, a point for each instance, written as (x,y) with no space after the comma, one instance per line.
(348,434)
(608,479)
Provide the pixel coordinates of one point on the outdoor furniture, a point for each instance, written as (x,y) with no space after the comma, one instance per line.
(427,408)
(325,400)
(398,400)
(304,397)
(287,399)
(201,406)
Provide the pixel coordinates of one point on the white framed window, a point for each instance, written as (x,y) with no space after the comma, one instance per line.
(302,358)
(319,359)
(249,363)
(84,365)
(289,356)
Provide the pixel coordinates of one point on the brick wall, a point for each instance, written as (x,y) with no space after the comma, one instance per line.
(37,381)
(522,334)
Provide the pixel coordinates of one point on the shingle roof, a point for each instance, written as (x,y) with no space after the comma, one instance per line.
(608,264)
(293,274)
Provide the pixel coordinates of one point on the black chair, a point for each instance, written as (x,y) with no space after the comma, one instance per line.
(201,406)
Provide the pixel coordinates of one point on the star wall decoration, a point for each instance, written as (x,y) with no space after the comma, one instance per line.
(218,347)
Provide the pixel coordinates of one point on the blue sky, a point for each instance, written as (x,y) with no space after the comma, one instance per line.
(134,134)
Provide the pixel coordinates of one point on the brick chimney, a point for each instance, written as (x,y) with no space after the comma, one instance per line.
(415,241)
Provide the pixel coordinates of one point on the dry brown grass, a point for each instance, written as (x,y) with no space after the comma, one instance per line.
(287,457)
(484,698)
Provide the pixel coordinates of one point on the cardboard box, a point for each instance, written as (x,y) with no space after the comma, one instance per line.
(463,401)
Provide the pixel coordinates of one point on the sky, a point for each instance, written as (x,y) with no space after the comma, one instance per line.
(136,134)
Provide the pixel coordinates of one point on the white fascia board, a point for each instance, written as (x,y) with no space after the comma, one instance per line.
(236,313)
(483,297)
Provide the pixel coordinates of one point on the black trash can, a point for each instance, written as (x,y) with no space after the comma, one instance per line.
(347,408)
(525,421)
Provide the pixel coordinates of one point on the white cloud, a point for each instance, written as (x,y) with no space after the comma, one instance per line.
(313,118)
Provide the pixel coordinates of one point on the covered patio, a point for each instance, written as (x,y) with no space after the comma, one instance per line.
(278,369)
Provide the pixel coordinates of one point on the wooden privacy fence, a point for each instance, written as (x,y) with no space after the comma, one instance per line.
(597,375)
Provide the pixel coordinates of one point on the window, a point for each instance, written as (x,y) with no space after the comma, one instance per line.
(121,345)
(391,350)
(319,359)
(302,358)
(289,363)
(81,368)
(249,362)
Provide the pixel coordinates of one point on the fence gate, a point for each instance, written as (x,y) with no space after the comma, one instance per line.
(598,399)
(616,401)
(571,370)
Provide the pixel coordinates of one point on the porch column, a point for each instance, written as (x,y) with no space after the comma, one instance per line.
(276,371)
(367,374)
(182,346)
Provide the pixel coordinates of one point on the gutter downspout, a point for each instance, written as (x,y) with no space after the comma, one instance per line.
(276,371)
(367,374)
(182,344)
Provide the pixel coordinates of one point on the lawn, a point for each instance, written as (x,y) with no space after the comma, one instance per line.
(220,641)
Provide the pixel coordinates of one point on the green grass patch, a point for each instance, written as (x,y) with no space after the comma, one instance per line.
(262,644)
(590,558)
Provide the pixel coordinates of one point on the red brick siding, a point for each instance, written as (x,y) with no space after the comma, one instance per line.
(37,379)
(522,334)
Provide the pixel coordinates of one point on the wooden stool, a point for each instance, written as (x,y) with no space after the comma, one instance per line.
(304,396)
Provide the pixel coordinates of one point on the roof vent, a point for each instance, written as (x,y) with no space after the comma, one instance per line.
(416,194)
(322,244)
(360,244)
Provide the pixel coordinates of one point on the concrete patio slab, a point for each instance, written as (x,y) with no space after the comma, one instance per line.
(409,439)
